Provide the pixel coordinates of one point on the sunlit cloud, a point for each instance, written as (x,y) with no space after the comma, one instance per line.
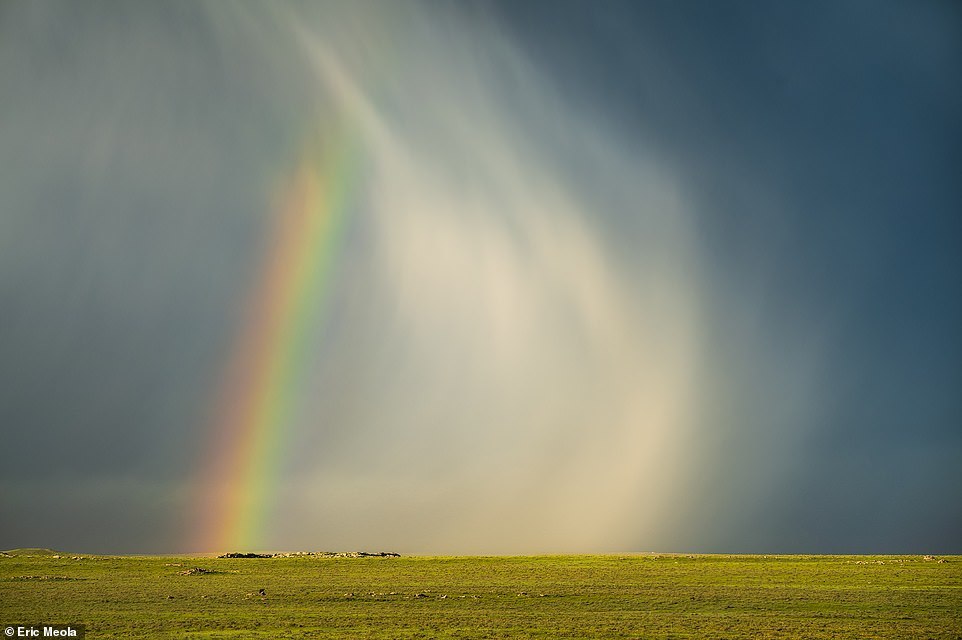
(539,391)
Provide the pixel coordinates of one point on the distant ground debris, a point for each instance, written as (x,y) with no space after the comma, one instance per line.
(314,554)
(31,551)
(933,559)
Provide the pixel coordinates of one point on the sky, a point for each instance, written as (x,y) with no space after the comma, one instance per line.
(481,277)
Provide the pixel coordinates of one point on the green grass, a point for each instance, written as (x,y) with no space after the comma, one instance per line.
(636,596)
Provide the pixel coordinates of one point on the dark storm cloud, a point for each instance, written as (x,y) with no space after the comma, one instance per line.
(822,145)
(133,137)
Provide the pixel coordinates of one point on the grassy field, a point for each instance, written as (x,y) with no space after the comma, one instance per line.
(633,596)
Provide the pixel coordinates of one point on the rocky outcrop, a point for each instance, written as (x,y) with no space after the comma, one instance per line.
(315,554)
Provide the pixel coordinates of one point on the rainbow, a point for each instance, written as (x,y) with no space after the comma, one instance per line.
(258,397)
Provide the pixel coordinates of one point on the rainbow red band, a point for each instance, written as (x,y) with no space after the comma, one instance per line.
(259,395)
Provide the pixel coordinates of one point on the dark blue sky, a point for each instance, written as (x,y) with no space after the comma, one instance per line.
(848,113)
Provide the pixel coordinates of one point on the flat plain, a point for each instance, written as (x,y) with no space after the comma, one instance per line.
(597,596)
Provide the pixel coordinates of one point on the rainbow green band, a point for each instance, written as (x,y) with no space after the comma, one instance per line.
(259,400)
